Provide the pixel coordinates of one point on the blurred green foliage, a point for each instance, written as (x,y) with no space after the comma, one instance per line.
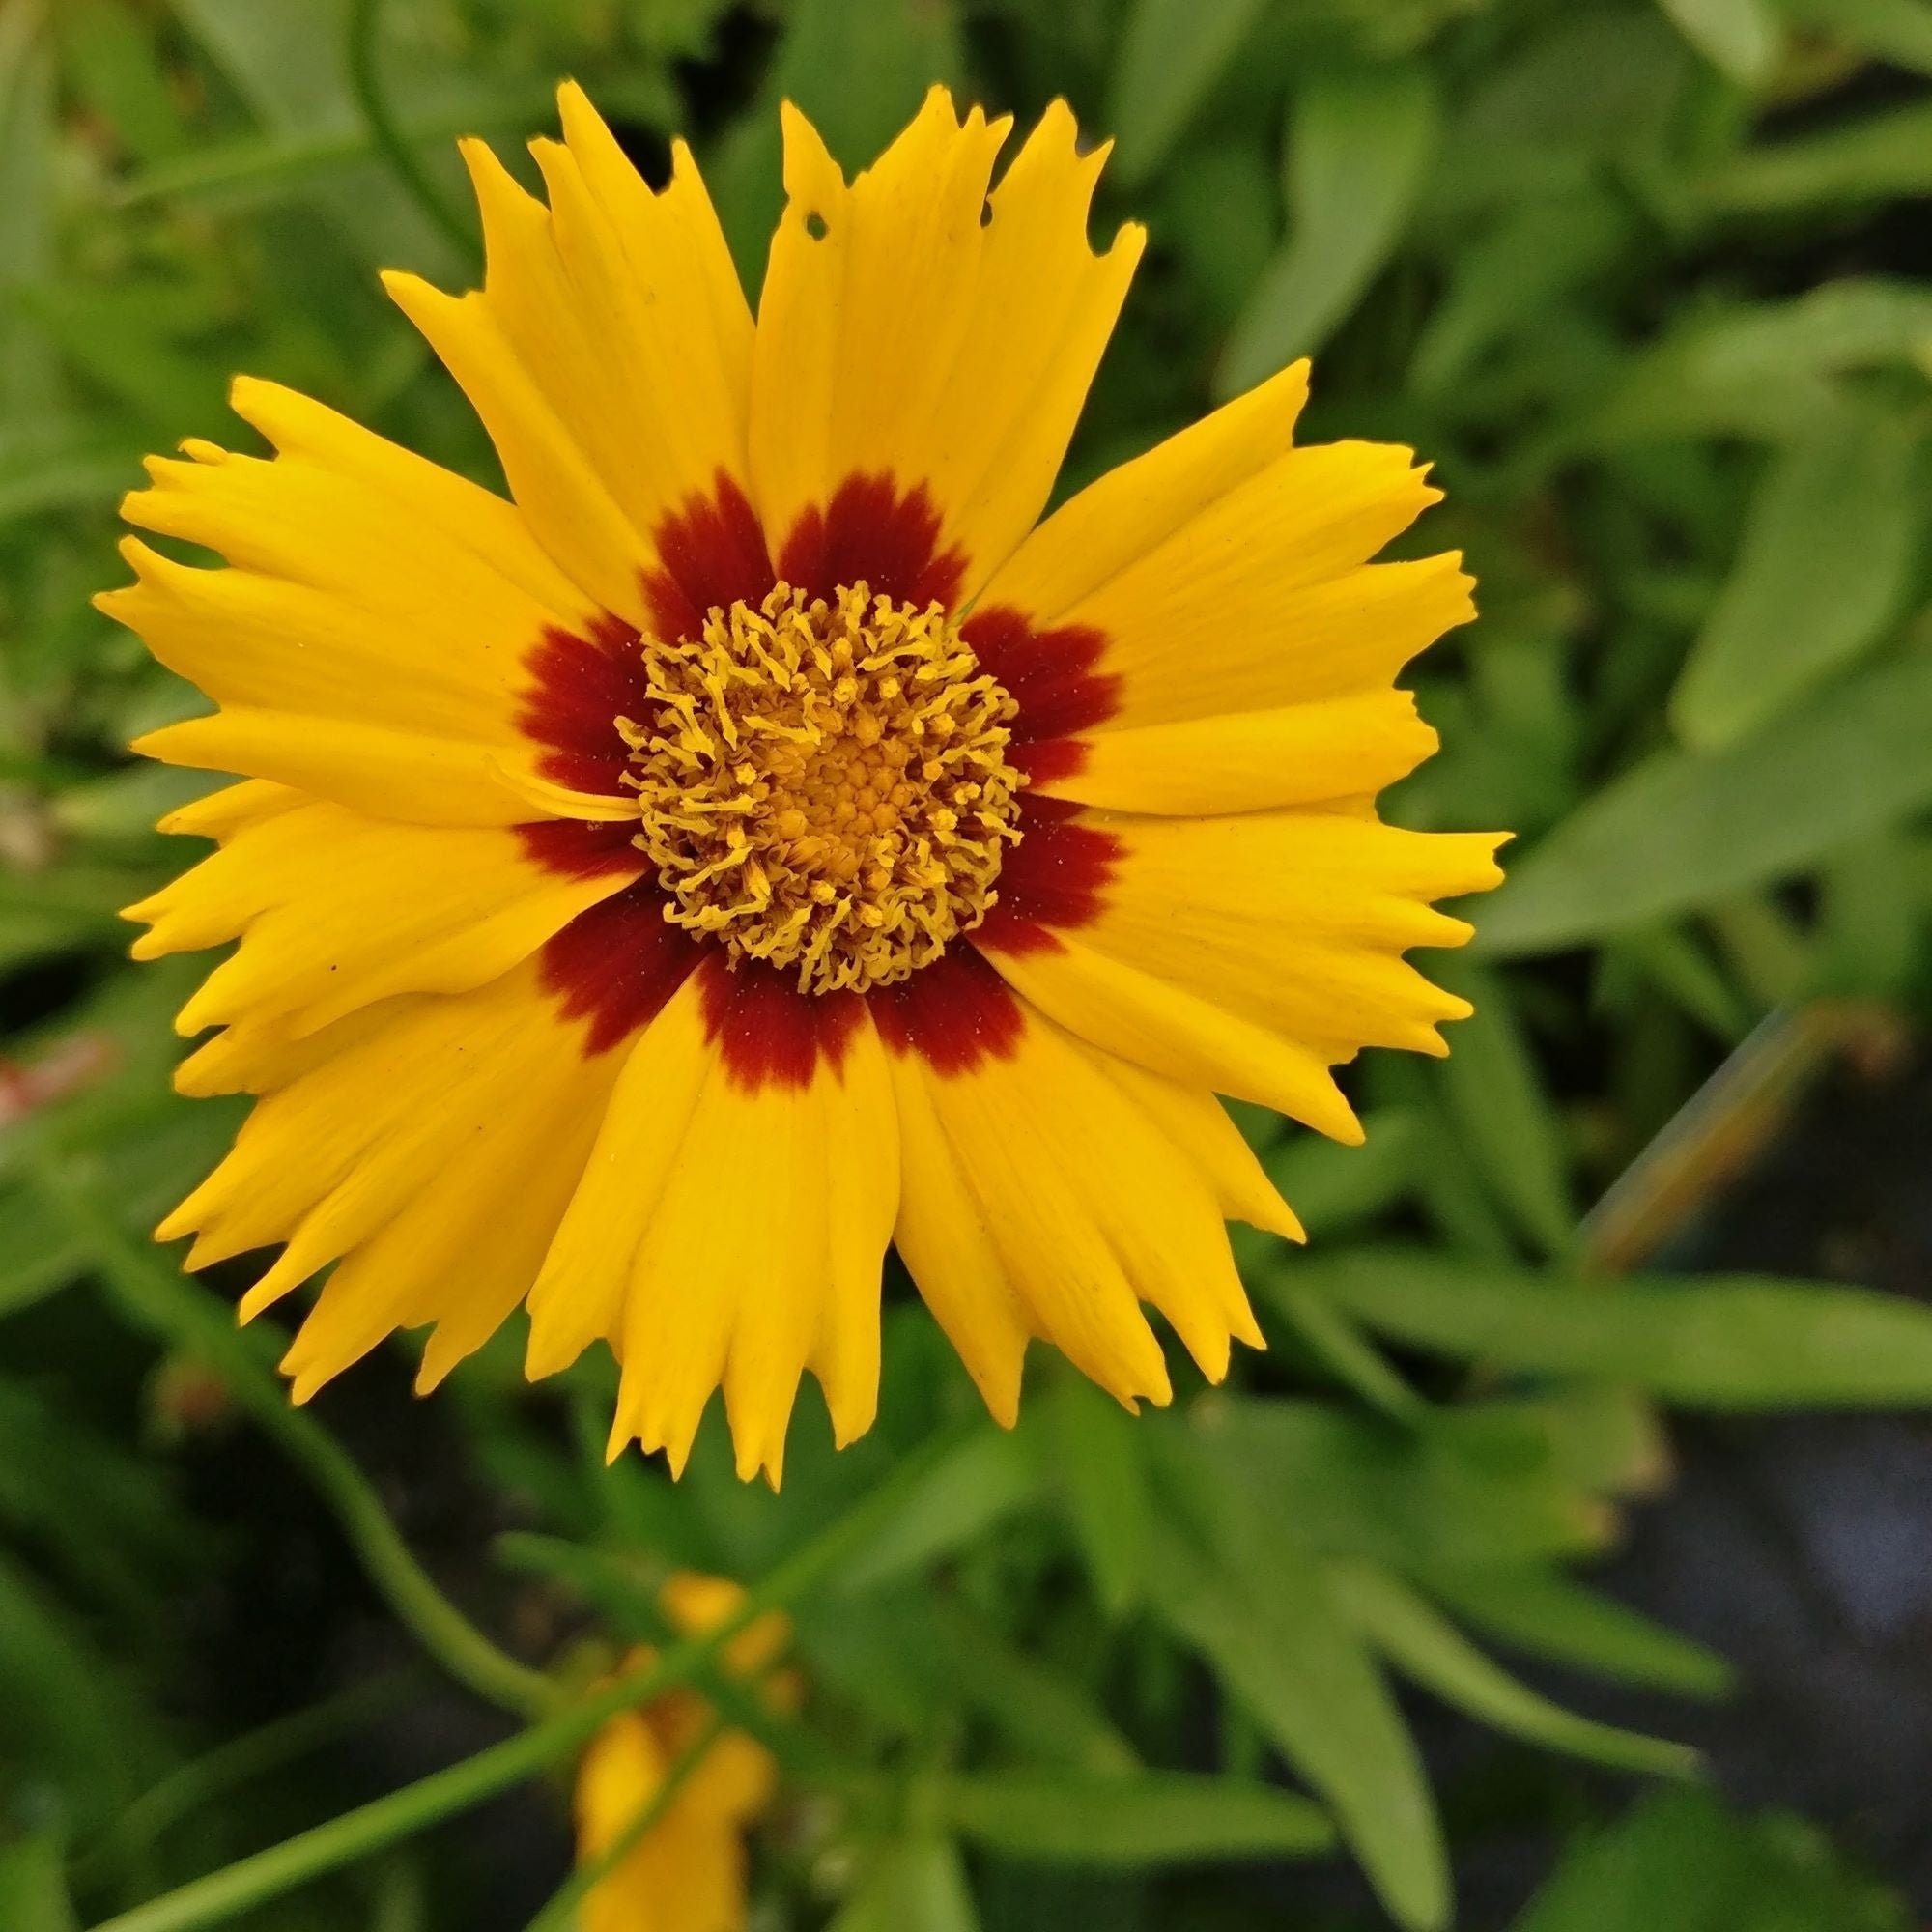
(1646,281)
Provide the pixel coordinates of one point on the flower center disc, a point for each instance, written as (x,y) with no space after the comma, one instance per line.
(824,785)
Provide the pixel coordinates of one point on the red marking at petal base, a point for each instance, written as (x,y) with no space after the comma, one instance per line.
(617,964)
(955,1013)
(580,686)
(711,553)
(872,531)
(769,1033)
(1045,763)
(1055,878)
(582,851)
(1054,677)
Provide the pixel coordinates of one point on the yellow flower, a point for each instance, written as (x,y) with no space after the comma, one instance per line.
(687,1872)
(756,842)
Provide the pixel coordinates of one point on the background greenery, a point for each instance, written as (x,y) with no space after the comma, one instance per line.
(1644,280)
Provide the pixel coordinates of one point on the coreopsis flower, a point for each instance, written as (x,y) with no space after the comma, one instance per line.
(757,838)
(685,1872)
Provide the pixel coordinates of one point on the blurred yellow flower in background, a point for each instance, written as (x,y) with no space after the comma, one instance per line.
(686,1872)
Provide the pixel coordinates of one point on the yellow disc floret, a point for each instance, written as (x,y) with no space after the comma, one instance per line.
(824,785)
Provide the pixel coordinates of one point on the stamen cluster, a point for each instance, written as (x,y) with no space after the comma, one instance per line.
(823,786)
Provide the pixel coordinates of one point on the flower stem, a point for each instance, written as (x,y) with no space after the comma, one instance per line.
(325,1848)
(366,77)
(560,1915)
(205,1779)
(155,1295)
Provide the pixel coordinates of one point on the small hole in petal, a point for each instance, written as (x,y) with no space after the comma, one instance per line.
(985,215)
(815,226)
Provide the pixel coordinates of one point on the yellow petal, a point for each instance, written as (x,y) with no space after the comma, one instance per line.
(1208,564)
(1123,516)
(1197,1124)
(1249,760)
(609,352)
(433,1141)
(221,814)
(944,1237)
(336,911)
(462,1249)
(369,641)
(1044,1195)
(914,328)
(1250,954)
(1179,1032)
(1222,581)
(796,1157)
(687,1873)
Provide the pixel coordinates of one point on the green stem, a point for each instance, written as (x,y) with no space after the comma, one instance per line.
(266,1874)
(243,1759)
(560,1915)
(159,1298)
(366,77)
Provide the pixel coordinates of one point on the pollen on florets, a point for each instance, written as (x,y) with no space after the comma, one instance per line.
(823,786)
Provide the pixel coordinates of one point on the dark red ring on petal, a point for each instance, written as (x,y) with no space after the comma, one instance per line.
(767,1032)
(711,555)
(1054,678)
(582,850)
(617,964)
(955,1013)
(580,686)
(1055,878)
(872,530)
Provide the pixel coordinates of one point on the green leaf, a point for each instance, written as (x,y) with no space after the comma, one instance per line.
(1678,964)
(1495,1097)
(33,1888)
(1048,1714)
(290,64)
(252,171)
(1871,158)
(986,1478)
(1488,1481)
(1331,1186)
(1900,30)
(1095,1457)
(1684,829)
(1711,1342)
(37,1253)
(70,1714)
(109,57)
(1359,142)
(1765,367)
(1425,1646)
(27,391)
(1827,556)
(1153,1818)
(1448,1187)
(1218,213)
(1339,1346)
(56,472)
(1870,922)
(1538,1609)
(1508,278)
(1171,53)
(1739,37)
(1681,1863)
(859,68)
(1264,1620)
(918,1884)
(1243,1593)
